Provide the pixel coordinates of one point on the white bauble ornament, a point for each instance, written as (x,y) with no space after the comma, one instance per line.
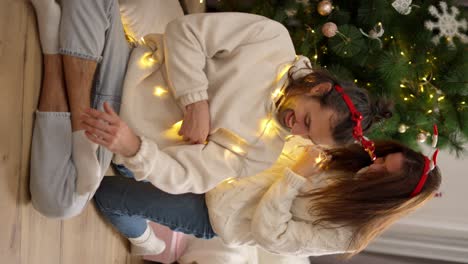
(421,137)
(402,128)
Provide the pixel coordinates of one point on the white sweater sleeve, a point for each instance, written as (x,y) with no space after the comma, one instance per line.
(275,230)
(184,168)
(191,40)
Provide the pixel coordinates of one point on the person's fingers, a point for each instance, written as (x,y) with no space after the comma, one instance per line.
(181,131)
(97,132)
(96,123)
(100,115)
(109,109)
(97,140)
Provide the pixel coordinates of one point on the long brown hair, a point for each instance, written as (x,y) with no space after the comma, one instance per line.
(372,111)
(369,202)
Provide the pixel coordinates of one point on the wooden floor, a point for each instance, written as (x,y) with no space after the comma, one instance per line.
(25,236)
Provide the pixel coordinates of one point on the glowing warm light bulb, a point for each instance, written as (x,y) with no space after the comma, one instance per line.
(267,127)
(229,180)
(283,71)
(173,132)
(178,124)
(147,60)
(277,93)
(431,96)
(430,111)
(406,98)
(237,149)
(315,56)
(318,159)
(402,85)
(159,91)
(441,98)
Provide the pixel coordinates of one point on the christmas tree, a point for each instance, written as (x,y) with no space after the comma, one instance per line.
(414,52)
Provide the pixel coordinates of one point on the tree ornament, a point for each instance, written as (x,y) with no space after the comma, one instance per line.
(290,12)
(447,24)
(421,137)
(402,128)
(402,6)
(324,8)
(375,33)
(329,29)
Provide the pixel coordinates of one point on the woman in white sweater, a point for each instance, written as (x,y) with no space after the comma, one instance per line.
(304,209)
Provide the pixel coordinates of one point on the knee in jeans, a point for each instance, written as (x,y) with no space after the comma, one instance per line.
(52,208)
(54,203)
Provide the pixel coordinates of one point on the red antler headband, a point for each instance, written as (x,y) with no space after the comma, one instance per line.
(429,164)
(357,118)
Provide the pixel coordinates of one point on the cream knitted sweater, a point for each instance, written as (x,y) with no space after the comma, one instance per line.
(235,61)
(265,210)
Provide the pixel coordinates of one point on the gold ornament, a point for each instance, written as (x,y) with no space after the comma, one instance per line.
(325,7)
(402,128)
(421,137)
(329,29)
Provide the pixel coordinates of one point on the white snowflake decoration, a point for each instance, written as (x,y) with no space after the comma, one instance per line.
(402,6)
(290,12)
(447,24)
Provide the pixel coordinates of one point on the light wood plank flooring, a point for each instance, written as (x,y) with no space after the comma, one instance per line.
(25,236)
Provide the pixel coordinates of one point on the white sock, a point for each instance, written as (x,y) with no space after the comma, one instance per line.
(48,21)
(147,244)
(86,163)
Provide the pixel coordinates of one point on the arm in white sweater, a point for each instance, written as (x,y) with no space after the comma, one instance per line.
(191,40)
(185,168)
(275,230)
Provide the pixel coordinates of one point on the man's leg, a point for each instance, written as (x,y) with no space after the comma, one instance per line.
(52,175)
(53,96)
(95,57)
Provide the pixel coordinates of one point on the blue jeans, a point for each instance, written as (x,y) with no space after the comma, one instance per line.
(127,204)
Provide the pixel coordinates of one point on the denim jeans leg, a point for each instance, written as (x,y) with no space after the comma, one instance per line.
(89,30)
(93,30)
(126,202)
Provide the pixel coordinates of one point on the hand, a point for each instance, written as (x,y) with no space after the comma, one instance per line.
(108,130)
(196,125)
(307,163)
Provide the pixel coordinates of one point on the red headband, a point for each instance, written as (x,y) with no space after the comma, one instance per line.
(429,164)
(357,118)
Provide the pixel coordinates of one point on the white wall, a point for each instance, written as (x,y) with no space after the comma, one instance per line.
(439,230)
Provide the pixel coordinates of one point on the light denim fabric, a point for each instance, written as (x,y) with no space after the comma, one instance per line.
(89,30)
